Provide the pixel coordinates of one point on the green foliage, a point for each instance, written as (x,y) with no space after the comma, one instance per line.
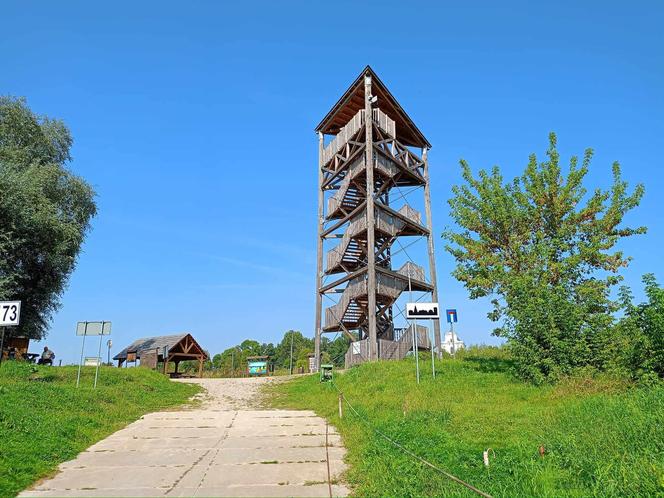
(335,350)
(45,420)
(233,361)
(45,213)
(638,337)
(283,349)
(602,438)
(543,249)
(302,362)
(189,367)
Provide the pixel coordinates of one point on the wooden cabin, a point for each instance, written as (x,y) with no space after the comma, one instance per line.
(15,348)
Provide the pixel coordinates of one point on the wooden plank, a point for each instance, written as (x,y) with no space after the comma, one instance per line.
(432,259)
(371,259)
(319,260)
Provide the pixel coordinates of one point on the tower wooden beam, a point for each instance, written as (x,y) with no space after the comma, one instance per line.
(319,261)
(432,258)
(371,221)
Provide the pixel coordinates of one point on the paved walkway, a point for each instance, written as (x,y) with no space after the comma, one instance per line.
(226,447)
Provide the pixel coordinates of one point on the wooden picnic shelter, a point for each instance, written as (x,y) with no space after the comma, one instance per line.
(163,349)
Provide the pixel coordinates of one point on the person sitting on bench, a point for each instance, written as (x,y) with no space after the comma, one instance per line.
(46,357)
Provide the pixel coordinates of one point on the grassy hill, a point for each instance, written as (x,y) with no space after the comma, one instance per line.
(601,437)
(45,420)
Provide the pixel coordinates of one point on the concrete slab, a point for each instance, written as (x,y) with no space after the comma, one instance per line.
(145,432)
(224,448)
(275,441)
(279,431)
(145,458)
(136,492)
(316,490)
(275,474)
(155,443)
(256,455)
(126,478)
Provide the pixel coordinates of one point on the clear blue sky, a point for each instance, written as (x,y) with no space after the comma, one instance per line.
(194,122)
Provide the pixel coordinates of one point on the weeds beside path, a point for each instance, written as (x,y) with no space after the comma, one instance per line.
(601,438)
(45,420)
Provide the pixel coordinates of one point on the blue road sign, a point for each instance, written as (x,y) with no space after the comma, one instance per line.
(451,315)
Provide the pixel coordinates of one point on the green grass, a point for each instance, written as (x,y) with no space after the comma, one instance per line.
(45,420)
(602,437)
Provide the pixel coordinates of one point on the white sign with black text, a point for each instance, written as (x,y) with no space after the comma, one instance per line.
(422,311)
(10,313)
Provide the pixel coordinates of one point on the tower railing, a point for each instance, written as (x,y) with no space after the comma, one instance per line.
(335,202)
(384,222)
(381,165)
(412,214)
(355,227)
(386,285)
(352,127)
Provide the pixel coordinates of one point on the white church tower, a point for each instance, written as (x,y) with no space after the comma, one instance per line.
(452,343)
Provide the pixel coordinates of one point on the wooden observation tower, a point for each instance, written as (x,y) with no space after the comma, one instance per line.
(372,167)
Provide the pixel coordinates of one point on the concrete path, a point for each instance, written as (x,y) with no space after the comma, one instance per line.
(227,447)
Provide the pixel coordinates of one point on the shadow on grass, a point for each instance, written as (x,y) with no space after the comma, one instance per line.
(491,365)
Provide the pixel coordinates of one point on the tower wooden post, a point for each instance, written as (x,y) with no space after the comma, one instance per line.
(319,257)
(432,258)
(371,242)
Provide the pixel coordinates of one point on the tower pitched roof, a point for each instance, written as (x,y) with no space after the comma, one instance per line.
(353,100)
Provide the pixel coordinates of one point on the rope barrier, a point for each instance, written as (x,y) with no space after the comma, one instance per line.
(409,452)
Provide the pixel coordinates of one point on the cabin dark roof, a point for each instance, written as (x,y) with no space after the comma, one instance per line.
(147,343)
(353,100)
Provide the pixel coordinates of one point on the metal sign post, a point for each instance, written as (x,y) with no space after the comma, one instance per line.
(433,365)
(91,328)
(109,345)
(414,325)
(80,362)
(10,316)
(2,343)
(426,311)
(451,319)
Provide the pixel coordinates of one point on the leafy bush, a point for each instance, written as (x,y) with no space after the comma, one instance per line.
(638,338)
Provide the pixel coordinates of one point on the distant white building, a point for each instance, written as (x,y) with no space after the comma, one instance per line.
(452,343)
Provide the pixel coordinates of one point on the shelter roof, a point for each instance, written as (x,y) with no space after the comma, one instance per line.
(150,343)
(353,100)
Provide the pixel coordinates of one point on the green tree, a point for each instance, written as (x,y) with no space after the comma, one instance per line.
(217,361)
(543,249)
(283,349)
(250,347)
(651,321)
(45,213)
(230,361)
(302,361)
(268,349)
(638,338)
(336,350)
